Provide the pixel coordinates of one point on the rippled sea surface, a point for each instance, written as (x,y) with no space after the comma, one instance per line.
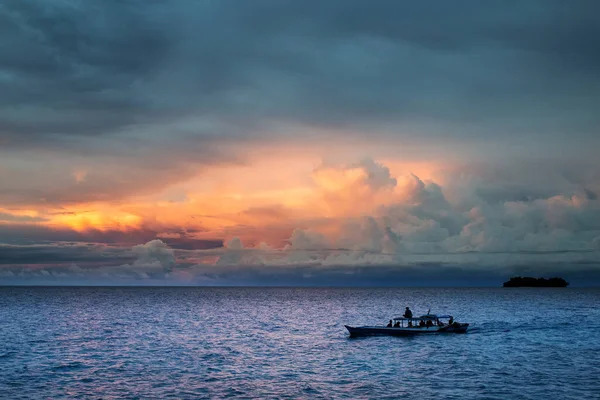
(291,343)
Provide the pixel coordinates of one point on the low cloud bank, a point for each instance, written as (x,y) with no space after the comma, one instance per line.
(155,263)
(424,274)
(371,223)
(50,263)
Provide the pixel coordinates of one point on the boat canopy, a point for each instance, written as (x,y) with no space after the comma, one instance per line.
(424,317)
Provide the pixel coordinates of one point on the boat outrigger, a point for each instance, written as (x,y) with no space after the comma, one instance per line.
(428,323)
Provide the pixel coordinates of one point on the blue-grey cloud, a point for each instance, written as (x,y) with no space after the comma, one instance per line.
(62,253)
(91,69)
(28,234)
(156,90)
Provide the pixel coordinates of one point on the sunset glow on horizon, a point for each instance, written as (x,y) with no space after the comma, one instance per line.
(270,192)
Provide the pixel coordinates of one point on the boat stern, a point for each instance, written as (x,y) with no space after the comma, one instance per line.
(455,328)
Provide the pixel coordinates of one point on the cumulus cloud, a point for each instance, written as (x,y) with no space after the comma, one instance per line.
(154,255)
(6,274)
(416,217)
(234,253)
(353,188)
(234,243)
(366,175)
(152,260)
(304,239)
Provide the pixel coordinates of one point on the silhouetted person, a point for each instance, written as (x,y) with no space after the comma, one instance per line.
(389,325)
(410,324)
(407,313)
(429,323)
(397,324)
(451,320)
(421,324)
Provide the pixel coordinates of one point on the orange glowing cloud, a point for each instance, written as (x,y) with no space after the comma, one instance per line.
(281,188)
(101,220)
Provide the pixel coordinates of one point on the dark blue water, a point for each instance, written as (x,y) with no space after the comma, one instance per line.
(291,343)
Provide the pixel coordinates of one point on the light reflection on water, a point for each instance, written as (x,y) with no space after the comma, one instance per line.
(291,343)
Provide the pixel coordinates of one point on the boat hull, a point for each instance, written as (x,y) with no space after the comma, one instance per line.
(356,331)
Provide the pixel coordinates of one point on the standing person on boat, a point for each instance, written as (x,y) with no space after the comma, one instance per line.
(407,313)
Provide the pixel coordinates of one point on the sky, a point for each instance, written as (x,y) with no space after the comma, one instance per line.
(277,142)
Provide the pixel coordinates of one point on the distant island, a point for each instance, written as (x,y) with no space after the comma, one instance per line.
(527,281)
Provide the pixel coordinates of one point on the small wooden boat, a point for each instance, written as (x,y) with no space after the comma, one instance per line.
(429,323)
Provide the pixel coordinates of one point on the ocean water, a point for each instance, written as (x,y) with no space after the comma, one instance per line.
(193,343)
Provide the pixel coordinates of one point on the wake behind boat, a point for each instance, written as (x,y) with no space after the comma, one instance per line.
(428,323)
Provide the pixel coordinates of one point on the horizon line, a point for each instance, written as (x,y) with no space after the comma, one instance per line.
(289,286)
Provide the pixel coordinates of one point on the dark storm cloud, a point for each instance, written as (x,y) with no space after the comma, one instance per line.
(68,56)
(57,253)
(25,234)
(87,69)
(5,217)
